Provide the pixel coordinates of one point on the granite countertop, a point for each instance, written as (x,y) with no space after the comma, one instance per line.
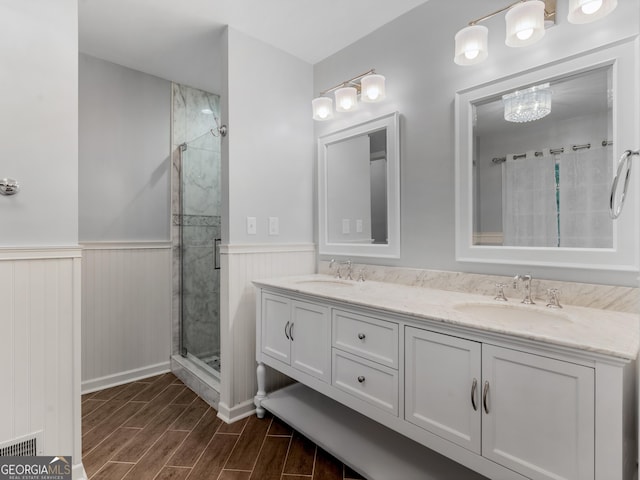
(605,332)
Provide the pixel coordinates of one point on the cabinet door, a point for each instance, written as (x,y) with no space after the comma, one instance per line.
(443,386)
(539,415)
(276,320)
(311,339)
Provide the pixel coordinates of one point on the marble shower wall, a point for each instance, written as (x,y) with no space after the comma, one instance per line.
(196,208)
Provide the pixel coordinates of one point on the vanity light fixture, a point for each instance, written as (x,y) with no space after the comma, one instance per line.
(346,99)
(585,11)
(526,21)
(369,85)
(527,105)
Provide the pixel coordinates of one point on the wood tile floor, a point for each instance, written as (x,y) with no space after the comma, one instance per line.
(159,429)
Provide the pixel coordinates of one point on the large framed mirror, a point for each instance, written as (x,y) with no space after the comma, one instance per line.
(359,189)
(535,157)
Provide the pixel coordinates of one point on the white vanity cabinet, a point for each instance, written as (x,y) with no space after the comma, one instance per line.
(538,414)
(493,404)
(445,401)
(297,333)
(530,413)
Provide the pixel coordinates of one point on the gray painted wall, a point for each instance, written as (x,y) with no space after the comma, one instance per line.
(415,53)
(39,122)
(268,154)
(124,153)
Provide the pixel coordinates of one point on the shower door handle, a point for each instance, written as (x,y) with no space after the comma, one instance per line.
(216,253)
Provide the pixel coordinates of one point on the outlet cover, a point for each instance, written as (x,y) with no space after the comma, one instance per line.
(252,226)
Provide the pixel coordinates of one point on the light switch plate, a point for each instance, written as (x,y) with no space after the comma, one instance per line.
(346,226)
(274,226)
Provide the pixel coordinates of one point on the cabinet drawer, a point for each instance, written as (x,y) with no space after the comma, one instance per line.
(373,383)
(371,338)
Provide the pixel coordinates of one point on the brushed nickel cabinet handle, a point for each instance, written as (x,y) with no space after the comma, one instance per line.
(285,331)
(474,387)
(361,379)
(361,336)
(291,331)
(485,393)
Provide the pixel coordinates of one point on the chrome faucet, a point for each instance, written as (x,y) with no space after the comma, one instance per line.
(526,279)
(339,268)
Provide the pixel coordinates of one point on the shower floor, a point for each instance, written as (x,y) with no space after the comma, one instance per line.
(210,364)
(213,362)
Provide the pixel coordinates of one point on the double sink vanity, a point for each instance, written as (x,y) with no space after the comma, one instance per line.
(497,389)
(406,382)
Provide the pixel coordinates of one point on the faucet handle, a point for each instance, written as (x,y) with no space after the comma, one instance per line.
(554,298)
(361,274)
(500,292)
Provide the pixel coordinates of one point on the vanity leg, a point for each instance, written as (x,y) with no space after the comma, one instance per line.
(260,394)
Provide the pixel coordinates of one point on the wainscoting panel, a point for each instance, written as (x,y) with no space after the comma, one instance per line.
(240,265)
(39,349)
(126,312)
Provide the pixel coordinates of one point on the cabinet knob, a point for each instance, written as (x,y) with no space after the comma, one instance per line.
(361,379)
(361,336)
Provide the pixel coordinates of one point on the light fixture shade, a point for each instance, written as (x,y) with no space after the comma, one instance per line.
(527,105)
(525,23)
(322,108)
(471,45)
(346,99)
(585,11)
(372,88)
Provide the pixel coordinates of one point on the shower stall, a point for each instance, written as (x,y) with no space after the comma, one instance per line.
(196,208)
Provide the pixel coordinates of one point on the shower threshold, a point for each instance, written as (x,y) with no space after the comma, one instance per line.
(198,376)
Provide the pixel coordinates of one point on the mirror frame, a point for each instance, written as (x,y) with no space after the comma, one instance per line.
(624,254)
(391,249)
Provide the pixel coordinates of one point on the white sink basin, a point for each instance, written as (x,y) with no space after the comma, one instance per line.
(513,313)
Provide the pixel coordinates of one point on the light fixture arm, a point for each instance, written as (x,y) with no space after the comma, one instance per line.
(352,82)
(549,11)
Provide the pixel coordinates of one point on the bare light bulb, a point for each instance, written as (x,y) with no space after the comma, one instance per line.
(346,103)
(525,34)
(471,54)
(373,93)
(589,8)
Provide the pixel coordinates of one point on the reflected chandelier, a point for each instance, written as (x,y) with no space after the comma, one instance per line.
(527,105)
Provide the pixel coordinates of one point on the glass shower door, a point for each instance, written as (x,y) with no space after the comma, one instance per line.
(200,240)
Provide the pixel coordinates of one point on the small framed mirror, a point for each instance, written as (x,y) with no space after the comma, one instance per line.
(359,189)
(535,158)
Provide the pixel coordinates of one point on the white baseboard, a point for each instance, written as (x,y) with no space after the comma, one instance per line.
(78,472)
(238,412)
(113,380)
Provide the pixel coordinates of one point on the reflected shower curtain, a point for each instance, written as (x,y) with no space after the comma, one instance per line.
(529,204)
(585,177)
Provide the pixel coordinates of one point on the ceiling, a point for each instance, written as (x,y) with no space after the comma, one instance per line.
(133,32)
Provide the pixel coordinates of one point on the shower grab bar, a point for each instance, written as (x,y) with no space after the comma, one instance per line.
(625,161)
